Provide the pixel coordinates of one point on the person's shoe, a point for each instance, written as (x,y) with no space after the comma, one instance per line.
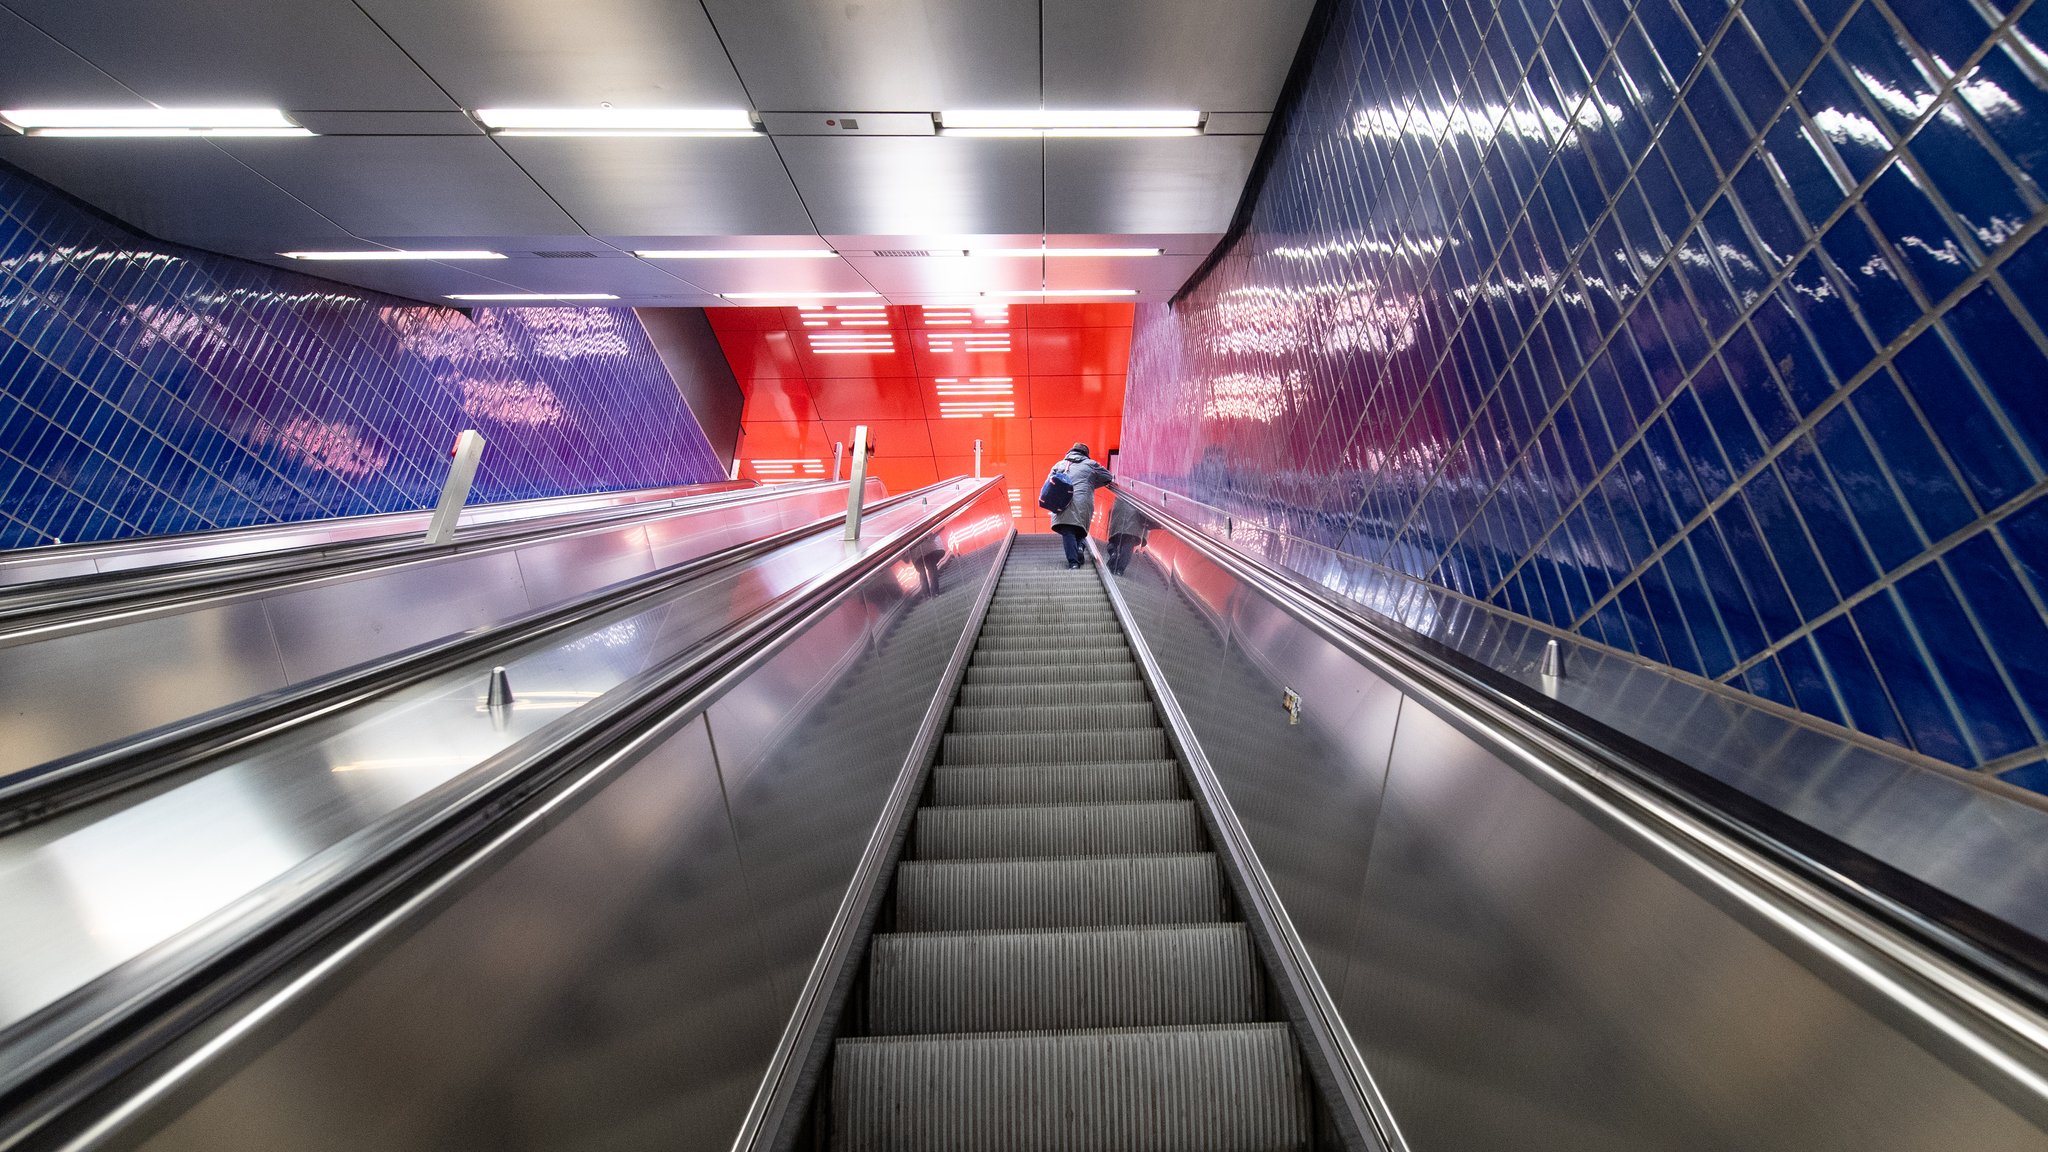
(1073,564)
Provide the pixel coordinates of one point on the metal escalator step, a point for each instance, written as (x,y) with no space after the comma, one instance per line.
(1072,632)
(1065,978)
(1047,620)
(1037,831)
(1057,783)
(1043,695)
(956,895)
(1117,655)
(1052,673)
(1213,1088)
(1048,639)
(1071,718)
(1132,743)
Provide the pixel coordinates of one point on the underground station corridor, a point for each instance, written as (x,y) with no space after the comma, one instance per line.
(1023,575)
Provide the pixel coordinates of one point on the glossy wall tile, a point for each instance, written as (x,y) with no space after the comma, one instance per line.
(1710,332)
(147,388)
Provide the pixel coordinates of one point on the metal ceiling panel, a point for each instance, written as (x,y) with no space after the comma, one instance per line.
(450,186)
(909,185)
(883,55)
(1174,184)
(933,275)
(302,54)
(36,71)
(527,53)
(622,277)
(187,191)
(428,282)
(1211,55)
(793,276)
(1174,243)
(1157,272)
(681,186)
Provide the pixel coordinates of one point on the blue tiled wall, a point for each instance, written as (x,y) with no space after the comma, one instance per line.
(1711,332)
(147,388)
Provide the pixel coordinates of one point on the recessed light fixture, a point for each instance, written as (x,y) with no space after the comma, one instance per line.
(389,254)
(618,121)
(151,122)
(1061,252)
(1038,122)
(735,253)
(511,296)
(798,295)
(1070,292)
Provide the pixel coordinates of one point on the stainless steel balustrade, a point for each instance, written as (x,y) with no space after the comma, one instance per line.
(1502,934)
(79,683)
(610,923)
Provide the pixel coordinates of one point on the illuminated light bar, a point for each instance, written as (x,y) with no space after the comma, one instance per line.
(618,121)
(508,296)
(968,341)
(976,412)
(975,386)
(735,253)
(151,122)
(852,343)
(1066,252)
(1038,122)
(1016,504)
(798,295)
(389,254)
(845,316)
(1069,292)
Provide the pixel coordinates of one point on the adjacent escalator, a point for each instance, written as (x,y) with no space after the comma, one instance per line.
(1061,967)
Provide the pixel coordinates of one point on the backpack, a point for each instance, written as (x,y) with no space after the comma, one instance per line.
(1057,492)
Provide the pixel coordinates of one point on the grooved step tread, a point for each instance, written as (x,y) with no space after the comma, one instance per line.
(1070,718)
(1057,783)
(1064,978)
(955,895)
(1133,743)
(1055,639)
(1051,673)
(1057,658)
(1047,695)
(1033,831)
(1216,1088)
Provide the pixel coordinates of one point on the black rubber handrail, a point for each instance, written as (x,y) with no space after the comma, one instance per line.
(57,786)
(69,600)
(63,1072)
(1984,967)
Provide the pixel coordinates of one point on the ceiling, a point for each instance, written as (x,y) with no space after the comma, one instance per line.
(1027,381)
(398,162)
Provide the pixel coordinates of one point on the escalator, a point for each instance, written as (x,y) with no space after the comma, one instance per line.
(1062,969)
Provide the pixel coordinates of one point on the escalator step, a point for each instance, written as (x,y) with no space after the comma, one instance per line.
(1045,695)
(1116,655)
(1051,673)
(1036,831)
(1057,783)
(1104,626)
(1070,978)
(956,895)
(1133,743)
(1223,1088)
(1056,639)
(1065,718)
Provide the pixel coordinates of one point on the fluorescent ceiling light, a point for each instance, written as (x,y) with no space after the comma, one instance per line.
(532,296)
(618,121)
(1038,122)
(387,254)
(151,122)
(798,295)
(1071,292)
(736,253)
(1030,252)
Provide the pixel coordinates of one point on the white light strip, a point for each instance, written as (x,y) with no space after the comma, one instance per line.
(1119,132)
(1039,118)
(151,122)
(1060,253)
(735,253)
(532,296)
(1071,292)
(375,254)
(797,295)
(618,121)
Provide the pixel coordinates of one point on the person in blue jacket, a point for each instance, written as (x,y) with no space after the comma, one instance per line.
(1071,522)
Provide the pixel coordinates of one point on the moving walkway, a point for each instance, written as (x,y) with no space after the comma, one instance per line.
(949,847)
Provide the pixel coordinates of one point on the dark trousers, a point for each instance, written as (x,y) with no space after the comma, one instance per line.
(1070,539)
(1120,547)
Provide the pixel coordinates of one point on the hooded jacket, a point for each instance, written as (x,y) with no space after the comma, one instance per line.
(1086,476)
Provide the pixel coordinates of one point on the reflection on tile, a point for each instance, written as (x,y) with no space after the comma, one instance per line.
(1702,332)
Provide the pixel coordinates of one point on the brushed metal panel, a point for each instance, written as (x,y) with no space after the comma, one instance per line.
(305,54)
(425,281)
(332,625)
(769,275)
(36,71)
(1160,273)
(909,185)
(675,186)
(1211,55)
(940,275)
(1172,184)
(81,689)
(565,567)
(621,276)
(1522,979)
(537,53)
(601,985)
(883,55)
(407,185)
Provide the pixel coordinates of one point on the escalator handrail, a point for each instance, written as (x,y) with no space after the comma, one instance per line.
(1958,971)
(38,793)
(279,939)
(93,600)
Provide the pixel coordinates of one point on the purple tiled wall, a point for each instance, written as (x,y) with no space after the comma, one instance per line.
(1710,332)
(147,388)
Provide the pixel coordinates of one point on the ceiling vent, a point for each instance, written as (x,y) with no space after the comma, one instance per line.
(903,252)
(566,255)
